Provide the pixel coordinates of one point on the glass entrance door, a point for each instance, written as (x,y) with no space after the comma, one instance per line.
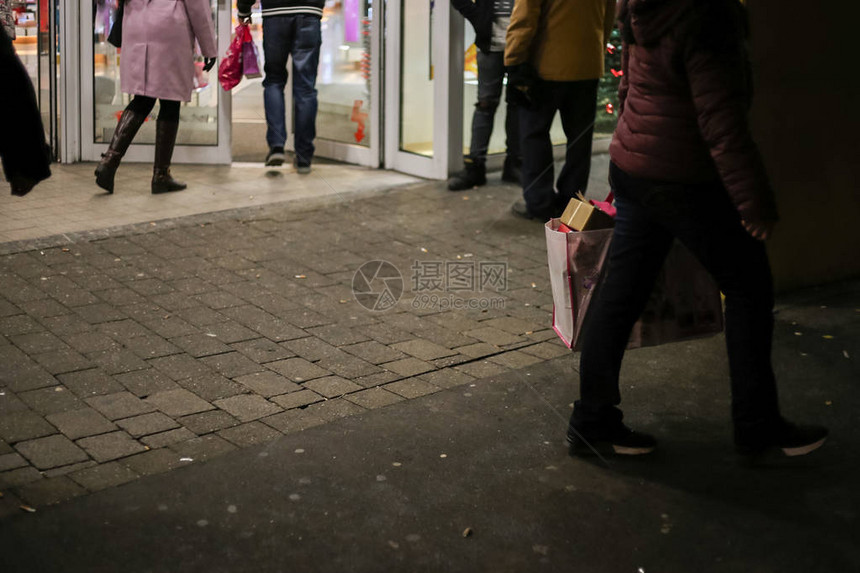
(347,123)
(422,103)
(204,132)
(348,82)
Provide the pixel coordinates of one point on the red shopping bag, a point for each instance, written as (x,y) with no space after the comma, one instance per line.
(250,59)
(231,69)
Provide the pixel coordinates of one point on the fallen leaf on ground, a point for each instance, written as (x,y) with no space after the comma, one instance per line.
(827,336)
(467,532)
(27,508)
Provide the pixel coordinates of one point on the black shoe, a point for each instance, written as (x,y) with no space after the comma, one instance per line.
(621,441)
(511,172)
(785,438)
(521,210)
(473,175)
(275,157)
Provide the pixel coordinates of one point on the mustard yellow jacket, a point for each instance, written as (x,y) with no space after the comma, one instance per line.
(563,39)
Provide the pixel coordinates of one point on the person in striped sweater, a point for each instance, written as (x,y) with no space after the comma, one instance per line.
(290,28)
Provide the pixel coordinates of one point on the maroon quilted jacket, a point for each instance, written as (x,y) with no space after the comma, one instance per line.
(684,100)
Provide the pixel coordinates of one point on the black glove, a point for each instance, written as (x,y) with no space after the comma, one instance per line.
(522,79)
(208,64)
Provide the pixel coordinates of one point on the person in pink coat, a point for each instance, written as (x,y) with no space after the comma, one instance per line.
(157,62)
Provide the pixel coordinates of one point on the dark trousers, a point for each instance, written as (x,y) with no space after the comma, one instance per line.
(169,110)
(650,215)
(491,75)
(299,36)
(575,102)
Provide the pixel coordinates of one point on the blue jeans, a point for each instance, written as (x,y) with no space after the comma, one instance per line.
(576,104)
(651,214)
(298,36)
(491,73)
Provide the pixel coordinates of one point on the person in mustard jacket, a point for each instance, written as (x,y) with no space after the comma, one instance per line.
(554,53)
(157,62)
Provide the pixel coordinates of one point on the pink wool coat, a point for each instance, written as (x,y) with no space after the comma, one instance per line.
(157,57)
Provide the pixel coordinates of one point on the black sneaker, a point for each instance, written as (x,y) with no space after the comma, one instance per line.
(623,442)
(275,157)
(789,439)
(473,175)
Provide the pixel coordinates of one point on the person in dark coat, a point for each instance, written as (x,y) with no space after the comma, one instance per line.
(24,152)
(684,165)
(490,18)
(157,62)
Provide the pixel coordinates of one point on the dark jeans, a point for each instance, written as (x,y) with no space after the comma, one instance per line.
(575,102)
(298,36)
(491,75)
(650,215)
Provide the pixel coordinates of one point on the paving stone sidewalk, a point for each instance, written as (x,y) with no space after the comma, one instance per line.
(173,342)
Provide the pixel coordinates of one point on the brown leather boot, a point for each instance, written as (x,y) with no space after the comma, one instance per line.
(165,140)
(126,129)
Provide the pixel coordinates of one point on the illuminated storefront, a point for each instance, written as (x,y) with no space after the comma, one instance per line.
(399,98)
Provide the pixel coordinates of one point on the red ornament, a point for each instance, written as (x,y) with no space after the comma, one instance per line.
(610,109)
(610,49)
(616,73)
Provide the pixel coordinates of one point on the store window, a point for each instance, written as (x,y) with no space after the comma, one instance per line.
(35,43)
(199,116)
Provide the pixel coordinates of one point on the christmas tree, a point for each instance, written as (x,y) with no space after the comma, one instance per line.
(607,87)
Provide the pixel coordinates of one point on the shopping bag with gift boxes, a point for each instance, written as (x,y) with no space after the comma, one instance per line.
(684,304)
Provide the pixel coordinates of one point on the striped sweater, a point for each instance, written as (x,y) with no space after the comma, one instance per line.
(282,7)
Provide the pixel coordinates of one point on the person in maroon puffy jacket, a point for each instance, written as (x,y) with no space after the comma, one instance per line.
(684,166)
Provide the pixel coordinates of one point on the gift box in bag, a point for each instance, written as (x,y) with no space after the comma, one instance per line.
(685,302)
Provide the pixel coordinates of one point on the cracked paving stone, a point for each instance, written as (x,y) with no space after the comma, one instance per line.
(119,405)
(332,386)
(373,398)
(51,452)
(145,424)
(298,369)
(249,434)
(25,425)
(177,403)
(247,407)
(108,447)
(81,423)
